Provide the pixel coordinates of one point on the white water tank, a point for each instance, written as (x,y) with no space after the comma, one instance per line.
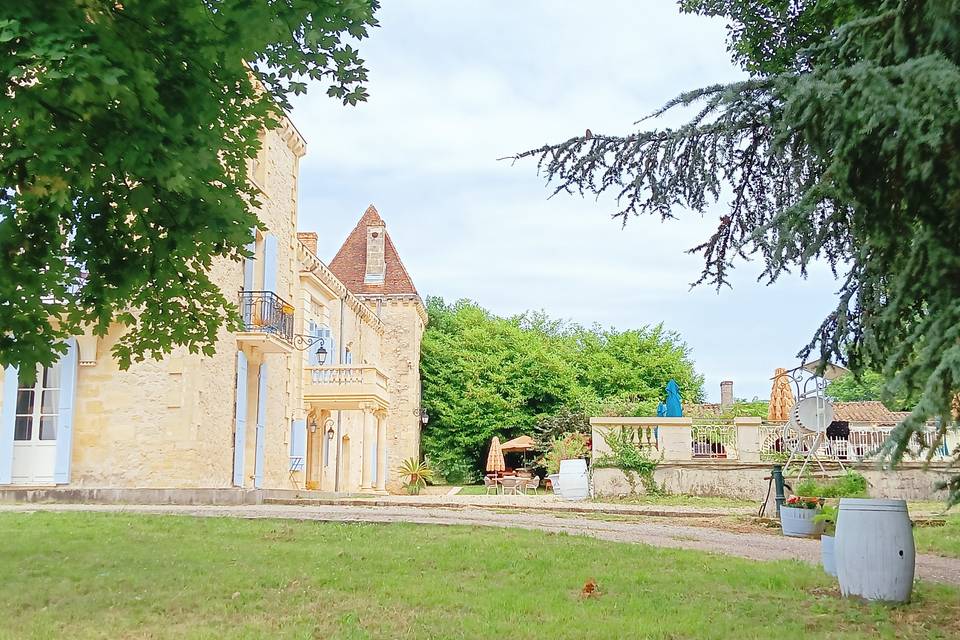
(574,480)
(874,549)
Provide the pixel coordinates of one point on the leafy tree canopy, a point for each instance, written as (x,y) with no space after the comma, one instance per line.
(125,134)
(869,385)
(484,376)
(839,146)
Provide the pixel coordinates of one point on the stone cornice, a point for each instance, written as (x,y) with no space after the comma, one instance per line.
(312,266)
(295,142)
(400,298)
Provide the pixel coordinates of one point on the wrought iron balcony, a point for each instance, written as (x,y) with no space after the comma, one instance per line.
(266,312)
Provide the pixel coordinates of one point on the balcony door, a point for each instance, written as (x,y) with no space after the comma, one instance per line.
(35,428)
(36,423)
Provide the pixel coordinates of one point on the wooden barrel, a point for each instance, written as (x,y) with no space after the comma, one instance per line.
(826,555)
(874,549)
(573,479)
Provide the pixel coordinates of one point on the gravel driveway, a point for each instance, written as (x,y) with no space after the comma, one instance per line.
(661,532)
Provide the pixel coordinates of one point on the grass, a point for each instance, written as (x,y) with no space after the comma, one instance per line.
(943,541)
(90,575)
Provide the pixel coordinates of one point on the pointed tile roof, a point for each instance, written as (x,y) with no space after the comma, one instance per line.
(350,263)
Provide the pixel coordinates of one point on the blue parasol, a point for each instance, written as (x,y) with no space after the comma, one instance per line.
(674,408)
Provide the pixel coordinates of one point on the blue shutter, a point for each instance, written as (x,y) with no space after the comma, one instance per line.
(68,386)
(7,419)
(240,437)
(246,306)
(270,263)
(298,439)
(333,354)
(261,428)
(312,350)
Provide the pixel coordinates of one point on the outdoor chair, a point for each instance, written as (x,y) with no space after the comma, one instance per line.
(490,483)
(532,484)
(510,485)
(296,466)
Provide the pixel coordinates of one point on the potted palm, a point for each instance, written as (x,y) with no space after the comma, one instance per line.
(415,474)
(797,517)
(828,516)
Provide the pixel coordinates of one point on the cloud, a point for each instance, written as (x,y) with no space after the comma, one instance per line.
(454,86)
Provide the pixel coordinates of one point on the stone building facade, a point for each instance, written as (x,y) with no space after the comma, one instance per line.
(369,265)
(317,391)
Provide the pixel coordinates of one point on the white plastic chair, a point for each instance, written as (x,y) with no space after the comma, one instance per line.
(510,485)
(532,484)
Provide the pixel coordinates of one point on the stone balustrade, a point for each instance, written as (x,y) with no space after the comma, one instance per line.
(749,440)
(346,375)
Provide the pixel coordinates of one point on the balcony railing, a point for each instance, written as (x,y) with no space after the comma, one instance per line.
(750,440)
(343,375)
(714,440)
(266,312)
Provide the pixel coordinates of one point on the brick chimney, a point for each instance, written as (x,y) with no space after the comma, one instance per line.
(726,394)
(309,238)
(376,254)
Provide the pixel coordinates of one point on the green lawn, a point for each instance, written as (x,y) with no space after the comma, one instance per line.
(135,576)
(944,541)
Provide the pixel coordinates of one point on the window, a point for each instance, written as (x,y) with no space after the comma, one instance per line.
(37,420)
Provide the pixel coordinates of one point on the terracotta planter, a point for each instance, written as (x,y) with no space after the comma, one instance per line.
(798,523)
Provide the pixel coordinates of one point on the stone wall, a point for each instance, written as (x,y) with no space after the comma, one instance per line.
(403,331)
(170,423)
(749,481)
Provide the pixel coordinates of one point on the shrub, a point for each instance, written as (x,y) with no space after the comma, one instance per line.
(557,426)
(849,485)
(455,470)
(571,446)
(828,516)
(630,458)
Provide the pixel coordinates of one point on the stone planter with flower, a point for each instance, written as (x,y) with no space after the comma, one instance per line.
(797,517)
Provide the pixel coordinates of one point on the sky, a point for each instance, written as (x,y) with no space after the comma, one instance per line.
(454,86)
